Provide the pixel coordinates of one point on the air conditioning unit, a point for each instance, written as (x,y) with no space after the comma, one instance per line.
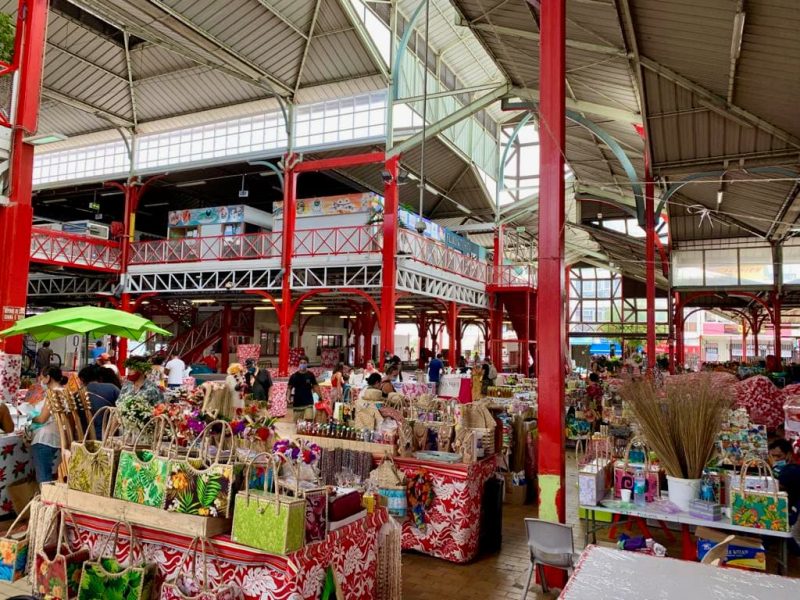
(88,228)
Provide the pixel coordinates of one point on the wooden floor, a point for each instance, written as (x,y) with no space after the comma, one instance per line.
(499,576)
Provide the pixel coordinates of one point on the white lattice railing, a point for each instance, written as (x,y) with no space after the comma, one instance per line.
(233,247)
(363,239)
(436,254)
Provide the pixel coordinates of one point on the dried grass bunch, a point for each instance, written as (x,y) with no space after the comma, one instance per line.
(680,421)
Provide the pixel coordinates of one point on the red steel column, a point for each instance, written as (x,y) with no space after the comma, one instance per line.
(122,347)
(389,287)
(551,293)
(287,249)
(225,343)
(650,261)
(16,219)
(452,333)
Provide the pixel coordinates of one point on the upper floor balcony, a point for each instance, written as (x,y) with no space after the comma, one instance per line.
(329,246)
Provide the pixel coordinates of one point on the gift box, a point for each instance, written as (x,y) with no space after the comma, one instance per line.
(743,552)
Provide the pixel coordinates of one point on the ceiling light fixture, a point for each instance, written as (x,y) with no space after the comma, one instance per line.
(264,308)
(310,312)
(404,306)
(45,138)
(54,201)
(720,193)
(155,204)
(203,301)
(315,308)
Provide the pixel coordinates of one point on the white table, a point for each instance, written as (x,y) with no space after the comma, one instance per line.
(666,512)
(610,573)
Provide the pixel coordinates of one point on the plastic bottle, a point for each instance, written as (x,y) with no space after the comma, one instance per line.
(639,486)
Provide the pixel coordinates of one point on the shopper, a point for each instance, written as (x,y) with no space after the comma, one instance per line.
(97,350)
(786,468)
(389,380)
(46,443)
(300,392)
(396,362)
(43,356)
(210,360)
(435,372)
(337,383)
(463,369)
(258,380)
(156,373)
(101,395)
(175,370)
(370,369)
(104,360)
(489,375)
(781,453)
(137,382)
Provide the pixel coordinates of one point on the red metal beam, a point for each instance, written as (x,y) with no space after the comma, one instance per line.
(341,162)
(16,219)
(551,334)
(389,283)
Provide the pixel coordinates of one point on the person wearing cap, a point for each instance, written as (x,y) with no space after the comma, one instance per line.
(104,360)
(258,380)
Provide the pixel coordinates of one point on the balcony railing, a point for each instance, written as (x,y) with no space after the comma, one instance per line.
(338,240)
(233,247)
(71,250)
(513,276)
(436,254)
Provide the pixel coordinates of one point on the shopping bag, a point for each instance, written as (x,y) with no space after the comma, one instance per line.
(625,471)
(760,509)
(269,521)
(57,569)
(595,472)
(142,474)
(106,577)
(93,463)
(14,550)
(203,484)
(187,585)
(391,485)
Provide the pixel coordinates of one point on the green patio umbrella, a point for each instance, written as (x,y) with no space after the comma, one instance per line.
(84,319)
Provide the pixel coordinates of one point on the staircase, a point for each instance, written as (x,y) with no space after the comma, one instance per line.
(190,344)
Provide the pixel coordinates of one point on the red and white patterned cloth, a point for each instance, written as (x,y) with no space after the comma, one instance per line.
(351,551)
(15,465)
(453,520)
(277,397)
(762,399)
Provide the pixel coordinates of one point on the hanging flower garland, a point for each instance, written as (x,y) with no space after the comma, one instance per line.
(419,489)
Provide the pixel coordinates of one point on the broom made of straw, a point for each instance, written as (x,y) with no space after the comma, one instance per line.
(680,422)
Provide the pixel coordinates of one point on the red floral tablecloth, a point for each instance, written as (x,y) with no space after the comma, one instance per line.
(15,464)
(453,526)
(277,397)
(351,551)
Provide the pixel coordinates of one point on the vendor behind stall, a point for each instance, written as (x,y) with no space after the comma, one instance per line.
(300,391)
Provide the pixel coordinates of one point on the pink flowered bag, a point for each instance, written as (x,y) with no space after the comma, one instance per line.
(189,585)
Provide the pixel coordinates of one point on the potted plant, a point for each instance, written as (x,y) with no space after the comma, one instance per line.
(680,423)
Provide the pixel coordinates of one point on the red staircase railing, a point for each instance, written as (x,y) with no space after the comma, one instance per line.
(513,276)
(71,250)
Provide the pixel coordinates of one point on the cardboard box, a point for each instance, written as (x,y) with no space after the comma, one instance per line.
(515,494)
(743,552)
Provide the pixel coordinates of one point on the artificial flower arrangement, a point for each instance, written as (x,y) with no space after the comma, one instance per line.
(178,414)
(303,453)
(134,412)
(254,425)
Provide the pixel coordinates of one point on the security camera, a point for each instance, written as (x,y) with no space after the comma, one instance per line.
(402,176)
(386,176)
(420,226)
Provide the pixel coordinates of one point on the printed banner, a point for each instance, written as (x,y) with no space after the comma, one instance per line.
(333,205)
(206,216)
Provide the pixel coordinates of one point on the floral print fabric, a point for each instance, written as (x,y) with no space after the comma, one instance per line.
(142,478)
(195,491)
(92,468)
(760,510)
(59,579)
(107,579)
(13,559)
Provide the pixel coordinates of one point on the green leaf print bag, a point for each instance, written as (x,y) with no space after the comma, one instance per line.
(142,473)
(269,521)
(108,578)
(759,509)
(204,485)
(93,463)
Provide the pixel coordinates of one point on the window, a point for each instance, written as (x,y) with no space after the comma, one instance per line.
(587,314)
(270,342)
(330,341)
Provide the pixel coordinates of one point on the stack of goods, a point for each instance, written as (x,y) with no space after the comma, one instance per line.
(740,438)
(337,430)
(475,432)
(762,399)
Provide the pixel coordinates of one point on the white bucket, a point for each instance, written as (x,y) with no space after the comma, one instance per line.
(683,491)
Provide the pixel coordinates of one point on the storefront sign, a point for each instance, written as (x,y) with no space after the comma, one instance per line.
(333,205)
(12,314)
(206,216)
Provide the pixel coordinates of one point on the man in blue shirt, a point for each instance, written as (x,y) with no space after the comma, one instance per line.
(435,372)
(97,351)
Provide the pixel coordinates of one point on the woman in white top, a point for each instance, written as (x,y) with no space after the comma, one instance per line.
(46,444)
(236,384)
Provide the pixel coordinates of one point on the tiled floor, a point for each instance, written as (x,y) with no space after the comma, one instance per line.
(498,577)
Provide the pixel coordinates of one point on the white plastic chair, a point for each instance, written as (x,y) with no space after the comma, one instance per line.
(550,545)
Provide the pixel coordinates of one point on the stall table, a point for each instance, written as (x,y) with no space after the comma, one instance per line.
(665,512)
(351,551)
(453,526)
(15,464)
(610,573)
